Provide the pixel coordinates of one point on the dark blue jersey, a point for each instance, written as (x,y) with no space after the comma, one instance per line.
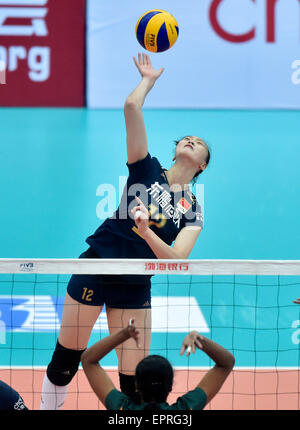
(10,400)
(170,212)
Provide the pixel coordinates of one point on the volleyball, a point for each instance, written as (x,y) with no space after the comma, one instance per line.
(157,30)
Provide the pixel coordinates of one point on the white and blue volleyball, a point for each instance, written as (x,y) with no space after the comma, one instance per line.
(157,30)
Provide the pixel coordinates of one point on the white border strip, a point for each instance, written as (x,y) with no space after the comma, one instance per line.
(23,2)
(149,267)
(191,368)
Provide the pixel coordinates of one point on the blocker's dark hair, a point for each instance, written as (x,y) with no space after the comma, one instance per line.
(194,180)
(154,380)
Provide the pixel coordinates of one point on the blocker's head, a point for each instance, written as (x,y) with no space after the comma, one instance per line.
(154,378)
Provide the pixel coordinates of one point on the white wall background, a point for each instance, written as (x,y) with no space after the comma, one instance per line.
(202,69)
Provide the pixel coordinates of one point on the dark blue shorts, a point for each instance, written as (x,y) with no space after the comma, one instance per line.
(111,290)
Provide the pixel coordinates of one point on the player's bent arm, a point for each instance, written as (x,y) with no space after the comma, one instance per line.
(182,247)
(185,240)
(212,382)
(99,380)
(96,375)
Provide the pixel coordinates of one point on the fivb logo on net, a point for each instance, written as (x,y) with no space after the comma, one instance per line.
(113,197)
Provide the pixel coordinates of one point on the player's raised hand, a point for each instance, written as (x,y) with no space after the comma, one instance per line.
(145,67)
(133,332)
(190,342)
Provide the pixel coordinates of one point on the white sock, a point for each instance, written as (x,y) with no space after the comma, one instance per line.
(53,396)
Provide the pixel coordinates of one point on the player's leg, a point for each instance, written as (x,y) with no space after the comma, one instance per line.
(128,354)
(78,320)
(79,316)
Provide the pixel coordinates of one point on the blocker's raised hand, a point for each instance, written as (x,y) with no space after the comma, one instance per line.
(133,332)
(190,342)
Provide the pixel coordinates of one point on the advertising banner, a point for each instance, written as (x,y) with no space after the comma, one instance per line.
(241,54)
(42,52)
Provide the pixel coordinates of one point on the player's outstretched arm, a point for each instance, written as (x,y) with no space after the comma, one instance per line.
(212,382)
(137,147)
(96,375)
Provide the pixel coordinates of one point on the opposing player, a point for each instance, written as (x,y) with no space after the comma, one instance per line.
(157,210)
(10,400)
(154,374)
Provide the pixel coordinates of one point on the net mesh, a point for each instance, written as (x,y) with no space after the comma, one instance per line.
(246,306)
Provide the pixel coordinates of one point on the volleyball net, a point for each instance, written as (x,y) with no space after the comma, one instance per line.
(246,306)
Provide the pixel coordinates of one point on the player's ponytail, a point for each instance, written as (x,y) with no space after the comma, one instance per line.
(154,380)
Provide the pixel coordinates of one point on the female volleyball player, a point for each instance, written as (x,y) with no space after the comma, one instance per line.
(154,374)
(157,210)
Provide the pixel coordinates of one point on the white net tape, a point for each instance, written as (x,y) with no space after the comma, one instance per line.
(149,267)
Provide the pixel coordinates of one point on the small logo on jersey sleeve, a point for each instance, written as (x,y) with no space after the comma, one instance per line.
(183,205)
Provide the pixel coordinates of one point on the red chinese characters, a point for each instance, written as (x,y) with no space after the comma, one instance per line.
(166,267)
